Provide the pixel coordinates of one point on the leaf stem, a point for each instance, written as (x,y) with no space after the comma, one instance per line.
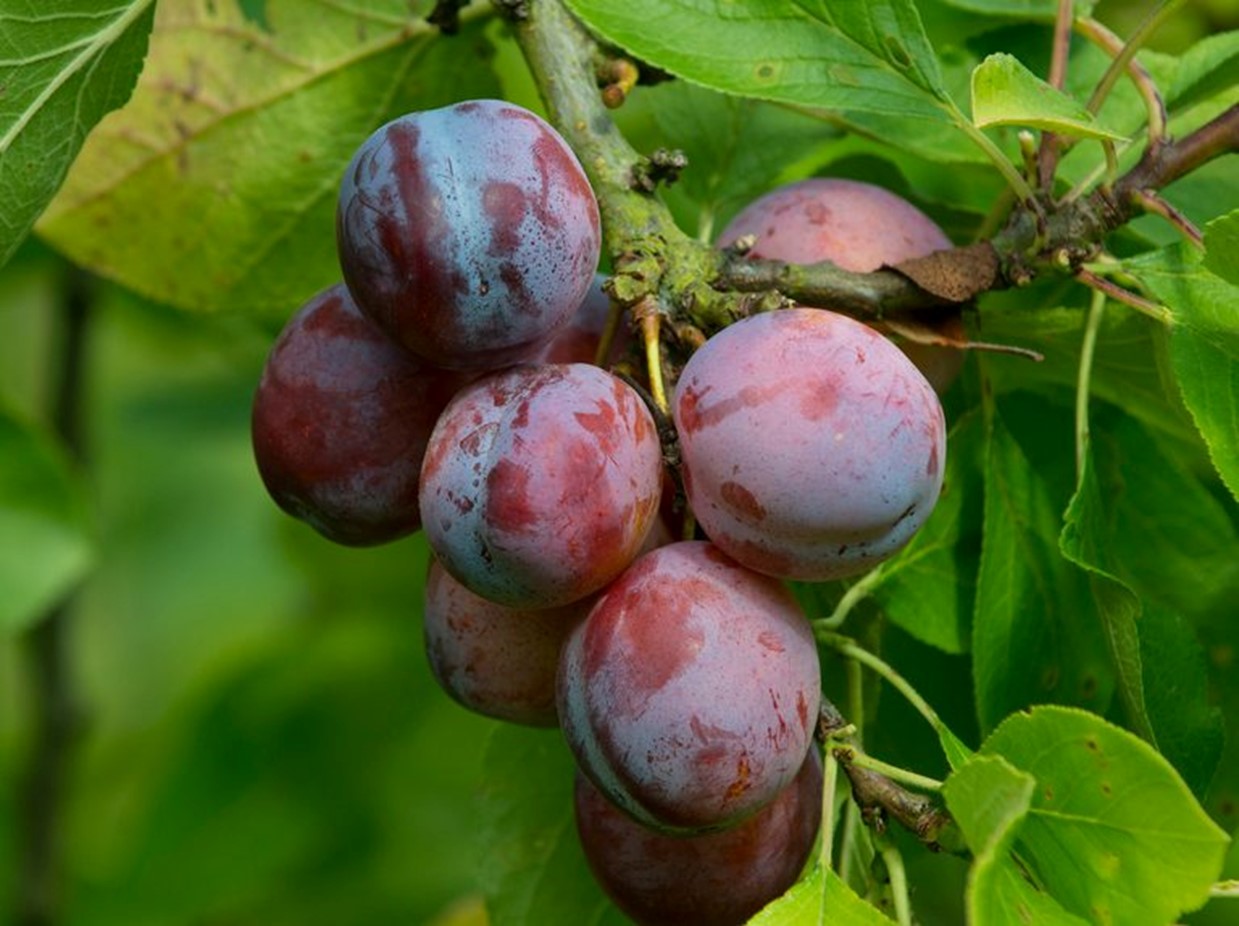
(1154,105)
(1128,53)
(849,648)
(857,592)
(894,772)
(1088,346)
(830,782)
(1047,159)
(893,859)
(1225,889)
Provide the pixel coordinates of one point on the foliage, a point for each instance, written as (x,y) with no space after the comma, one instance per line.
(263,741)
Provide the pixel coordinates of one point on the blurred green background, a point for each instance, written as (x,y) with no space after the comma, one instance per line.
(258,736)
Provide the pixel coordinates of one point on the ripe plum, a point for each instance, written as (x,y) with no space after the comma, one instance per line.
(812,447)
(856,226)
(469,233)
(690,693)
(541,483)
(495,660)
(714,879)
(340,422)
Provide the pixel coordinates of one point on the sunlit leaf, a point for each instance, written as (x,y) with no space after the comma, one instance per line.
(1113,833)
(1004,92)
(215,187)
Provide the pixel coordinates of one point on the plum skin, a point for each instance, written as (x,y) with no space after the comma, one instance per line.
(540,483)
(715,879)
(812,447)
(690,694)
(856,226)
(496,661)
(468,233)
(340,422)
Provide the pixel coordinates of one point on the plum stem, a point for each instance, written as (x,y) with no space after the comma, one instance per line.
(857,592)
(1088,346)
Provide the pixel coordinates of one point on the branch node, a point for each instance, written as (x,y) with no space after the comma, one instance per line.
(662,166)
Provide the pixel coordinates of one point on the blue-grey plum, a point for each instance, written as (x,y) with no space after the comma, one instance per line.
(812,447)
(469,233)
(689,695)
(540,483)
(340,422)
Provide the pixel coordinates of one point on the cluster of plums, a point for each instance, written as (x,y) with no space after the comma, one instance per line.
(447,384)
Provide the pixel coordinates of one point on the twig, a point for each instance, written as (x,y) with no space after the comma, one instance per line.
(1047,157)
(1154,105)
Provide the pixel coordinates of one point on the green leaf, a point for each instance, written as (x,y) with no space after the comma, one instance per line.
(532,868)
(1190,729)
(1084,542)
(1157,533)
(1222,247)
(63,65)
(989,799)
(1032,10)
(870,58)
(1204,346)
(1004,92)
(928,589)
(215,188)
(1113,834)
(1129,363)
(45,536)
(815,900)
(1035,634)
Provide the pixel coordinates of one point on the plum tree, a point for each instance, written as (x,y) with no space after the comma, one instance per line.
(468,233)
(540,483)
(713,879)
(812,447)
(340,422)
(690,694)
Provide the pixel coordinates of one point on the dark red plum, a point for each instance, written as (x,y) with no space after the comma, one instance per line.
(495,660)
(690,693)
(856,226)
(716,879)
(541,483)
(469,233)
(340,422)
(812,447)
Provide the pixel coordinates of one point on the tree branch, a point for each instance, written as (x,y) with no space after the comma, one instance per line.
(703,289)
(879,797)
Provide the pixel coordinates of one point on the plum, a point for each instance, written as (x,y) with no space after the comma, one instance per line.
(469,233)
(812,447)
(340,422)
(856,226)
(540,483)
(495,660)
(690,693)
(714,879)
